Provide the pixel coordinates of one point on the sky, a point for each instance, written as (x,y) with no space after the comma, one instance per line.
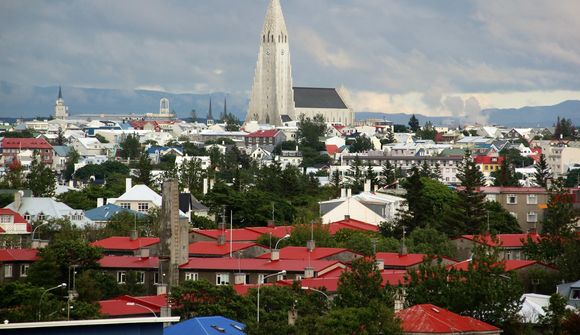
(437,58)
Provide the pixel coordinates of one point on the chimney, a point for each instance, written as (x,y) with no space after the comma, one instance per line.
(347,217)
(367,186)
(403,251)
(375,188)
(144,253)
(308,272)
(271,224)
(399,300)
(348,193)
(186,190)
(18,200)
(205,186)
(343,193)
(310,245)
(275,255)
(128,184)
(133,235)
(71,183)
(239,278)
(161,289)
(211,183)
(221,240)
(100,202)
(380,264)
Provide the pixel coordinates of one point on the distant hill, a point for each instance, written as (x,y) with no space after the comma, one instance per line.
(21,101)
(27,101)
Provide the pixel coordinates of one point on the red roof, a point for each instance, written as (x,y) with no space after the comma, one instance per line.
(129,262)
(277,231)
(302,253)
(254,264)
(394,277)
(488,159)
(2,230)
(240,235)
(398,260)
(429,319)
(17,217)
(211,248)
(353,224)
(333,273)
(264,133)
(504,240)
(244,289)
(125,243)
(25,143)
(332,149)
(330,284)
(509,264)
(119,307)
(18,255)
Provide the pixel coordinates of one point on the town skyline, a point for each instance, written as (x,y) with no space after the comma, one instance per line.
(458,60)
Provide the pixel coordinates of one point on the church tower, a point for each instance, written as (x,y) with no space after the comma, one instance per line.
(60,109)
(209,121)
(272,94)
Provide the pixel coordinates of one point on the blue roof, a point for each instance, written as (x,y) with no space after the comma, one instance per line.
(61,150)
(211,325)
(154,149)
(104,213)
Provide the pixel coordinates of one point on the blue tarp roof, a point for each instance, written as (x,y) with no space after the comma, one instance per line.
(104,213)
(210,325)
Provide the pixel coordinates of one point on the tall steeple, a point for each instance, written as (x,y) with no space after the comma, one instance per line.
(59,93)
(209,116)
(272,94)
(60,109)
(225,107)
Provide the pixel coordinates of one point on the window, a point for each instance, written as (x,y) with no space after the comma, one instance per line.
(222,279)
(7,270)
(121,277)
(491,197)
(140,277)
(508,255)
(24,270)
(532,199)
(191,276)
(6,219)
(532,217)
(125,205)
(143,207)
(512,199)
(261,278)
(280,277)
(41,216)
(156,278)
(575,294)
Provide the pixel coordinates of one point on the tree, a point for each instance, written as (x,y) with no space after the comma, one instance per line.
(71,159)
(360,284)
(60,139)
(560,216)
(309,131)
(564,129)
(388,175)
(414,124)
(499,220)
(14,177)
(400,128)
(191,176)
(144,170)
(389,137)
(371,175)
(131,148)
(471,200)
(542,174)
(193,115)
(556,313)
(356,174)
(573,178)
(430,241)
(361,144)
(40,179)
(505,175)
(101,138)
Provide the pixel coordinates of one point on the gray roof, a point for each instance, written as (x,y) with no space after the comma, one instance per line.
(61,150)
(312,97)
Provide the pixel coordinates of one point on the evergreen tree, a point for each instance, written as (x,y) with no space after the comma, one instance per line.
(356,175)
(414,124)
(418,211)
(506,175)
(60,139)
(144,168)
(131,147)
(14,177)
(193,114)
(40,179)
(371,175)
(437,174)
(560,217)
(425,170)
(471,200)
(361,144)
(71,159)
(388,175)
(542,174)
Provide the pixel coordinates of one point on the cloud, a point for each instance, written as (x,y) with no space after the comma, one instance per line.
(317,47)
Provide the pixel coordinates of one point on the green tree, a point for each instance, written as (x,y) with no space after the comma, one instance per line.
(573,178)
(430,241)
(556,313)
(101,138)
(560,216)
(388,174)
(361,144)
(144,169)
(360,284)
(131,148)
(310,130)
(471,200)
(414,124)
(191,176)
(499,220)
(60,139)
(542,174)
(356,174)
(41,180)
(505,175)
(71,159)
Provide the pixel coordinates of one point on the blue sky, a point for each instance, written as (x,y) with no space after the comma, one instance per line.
(431,57)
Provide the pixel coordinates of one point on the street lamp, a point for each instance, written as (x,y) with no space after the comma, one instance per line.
(316,290)
(283,238)
(136,304)
(283,272)
(33,231)
(42,296)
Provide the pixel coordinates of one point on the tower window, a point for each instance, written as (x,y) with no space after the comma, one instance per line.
(263,38)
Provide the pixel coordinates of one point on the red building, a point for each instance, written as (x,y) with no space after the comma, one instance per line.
(11,147)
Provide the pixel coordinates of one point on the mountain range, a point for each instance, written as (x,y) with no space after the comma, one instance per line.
(22,101)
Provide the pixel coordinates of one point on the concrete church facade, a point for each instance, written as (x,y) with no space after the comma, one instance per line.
(273,99)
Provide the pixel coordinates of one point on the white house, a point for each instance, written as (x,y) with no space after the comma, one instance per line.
(41,209)
(372,208)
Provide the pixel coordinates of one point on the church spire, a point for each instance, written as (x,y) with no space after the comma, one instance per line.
(59,93)
(225,107)
(274,29)
(209,116)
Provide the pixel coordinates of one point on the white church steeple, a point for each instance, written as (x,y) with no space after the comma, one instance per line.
(272,94)
(60,109)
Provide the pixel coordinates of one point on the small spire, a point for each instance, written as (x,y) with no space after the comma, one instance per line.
(59,93)
(225,107)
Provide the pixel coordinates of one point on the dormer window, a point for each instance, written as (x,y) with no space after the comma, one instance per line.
(41,217)
(27,216)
